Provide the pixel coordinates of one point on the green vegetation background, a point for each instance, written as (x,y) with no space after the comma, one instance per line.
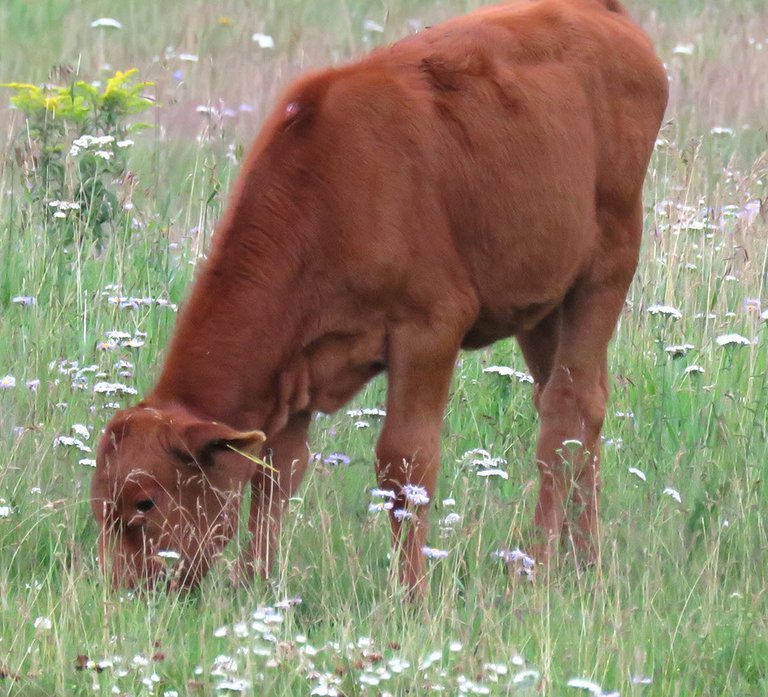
(677,606)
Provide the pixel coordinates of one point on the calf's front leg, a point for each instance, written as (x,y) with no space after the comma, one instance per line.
(288,454)
(408,451)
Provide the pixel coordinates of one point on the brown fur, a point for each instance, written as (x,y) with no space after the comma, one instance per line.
(478,180)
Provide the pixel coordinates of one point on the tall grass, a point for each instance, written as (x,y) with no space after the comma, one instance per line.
(678,604)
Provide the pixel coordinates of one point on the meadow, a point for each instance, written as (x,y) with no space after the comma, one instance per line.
(678,604)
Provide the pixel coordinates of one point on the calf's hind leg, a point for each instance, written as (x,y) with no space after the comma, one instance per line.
(572,405)
(539,346)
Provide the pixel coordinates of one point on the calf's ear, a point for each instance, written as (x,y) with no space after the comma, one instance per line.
(201,439)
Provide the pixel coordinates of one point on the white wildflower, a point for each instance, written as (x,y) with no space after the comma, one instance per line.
(86,141)
(70,441)
(523,563)
(415,495)
(325,686)
(497,668)
(234,685)
(150,681)
(263,40)
(398,665)
(467,686)
(113,388)
(588,685)
(383,493)
(43,623)
(432,553)
(509,372)
(109,22)
(223,665)
(450,520)
(69,205)
(81,430)
(479,457)
(674,493)
(493,472)
(638,473)
(666,310)
(732,340)
(677,350)
(526,678)
(430,659)
(366,411)
(288,603)
(683,50)
(380,506)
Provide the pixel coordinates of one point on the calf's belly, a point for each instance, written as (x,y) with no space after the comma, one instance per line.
(498,324)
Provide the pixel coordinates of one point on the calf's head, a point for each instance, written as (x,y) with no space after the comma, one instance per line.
(167,483)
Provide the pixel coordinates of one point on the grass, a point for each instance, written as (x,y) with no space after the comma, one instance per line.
(678,605)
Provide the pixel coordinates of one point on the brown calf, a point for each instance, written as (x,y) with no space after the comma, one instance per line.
(478,180)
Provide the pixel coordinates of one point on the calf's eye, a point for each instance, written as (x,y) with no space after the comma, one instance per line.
(145,506)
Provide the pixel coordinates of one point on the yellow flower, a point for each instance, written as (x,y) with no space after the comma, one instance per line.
(119,79)
(52,103)
(20,86)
